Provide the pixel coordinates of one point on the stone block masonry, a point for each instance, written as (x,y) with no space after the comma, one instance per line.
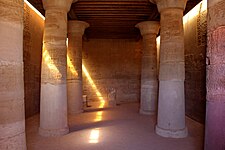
(32,50)
(113,63)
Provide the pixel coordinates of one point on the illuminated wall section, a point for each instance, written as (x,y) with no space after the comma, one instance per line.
(195,36)
(94,88)
(195,30)
(32,48)
(112,63)
(89,79)
(34,10)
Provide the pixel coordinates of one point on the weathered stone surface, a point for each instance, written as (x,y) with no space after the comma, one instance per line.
(12,137)
(149,79)
(74,66)
(215,14)
(12,117)
(53,110)
(215,108)
(113,63)
(33,31)
(171,105)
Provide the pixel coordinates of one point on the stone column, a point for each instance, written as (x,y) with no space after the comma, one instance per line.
(53,111)
(149,79)
(171,105)
(12,117)
(215,106)
(74,66)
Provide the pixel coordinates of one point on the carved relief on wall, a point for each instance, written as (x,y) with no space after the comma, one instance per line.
(33,31)
(26,34)
(202,27)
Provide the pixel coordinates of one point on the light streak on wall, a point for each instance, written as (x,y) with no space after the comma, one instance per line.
(201,7)
(34,9)
(91,82)
(102,104)
(86,73)
(98,116)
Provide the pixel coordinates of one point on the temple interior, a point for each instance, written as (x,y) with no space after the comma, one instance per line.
(112,75)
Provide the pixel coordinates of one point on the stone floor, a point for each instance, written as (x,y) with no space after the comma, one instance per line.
(120,128)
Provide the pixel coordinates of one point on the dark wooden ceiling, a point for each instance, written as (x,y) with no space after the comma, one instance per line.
(112,18)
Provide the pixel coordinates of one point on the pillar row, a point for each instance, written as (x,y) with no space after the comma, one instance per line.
(171,105)
(74,66)
(12,116)
(53,111)
(149,79)
(215,68)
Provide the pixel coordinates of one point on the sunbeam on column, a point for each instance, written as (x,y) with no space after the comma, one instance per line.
(69,63)
(71,67)
(48,61)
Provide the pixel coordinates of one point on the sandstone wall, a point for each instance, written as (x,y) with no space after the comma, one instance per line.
(32,46)
(112,63)
(195,28)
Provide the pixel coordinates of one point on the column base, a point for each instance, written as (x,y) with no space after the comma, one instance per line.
(144,112)
(56,132)
(171,133)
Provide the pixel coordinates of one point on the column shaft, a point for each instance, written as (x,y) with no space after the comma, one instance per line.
(12,116)
(74,66)
(215,106)
(53,111)
(171,107)
(74,72)
(149,80)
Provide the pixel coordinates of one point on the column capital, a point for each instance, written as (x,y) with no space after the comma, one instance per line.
(148,27)
(164,4)
(58,4)
(76,26)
